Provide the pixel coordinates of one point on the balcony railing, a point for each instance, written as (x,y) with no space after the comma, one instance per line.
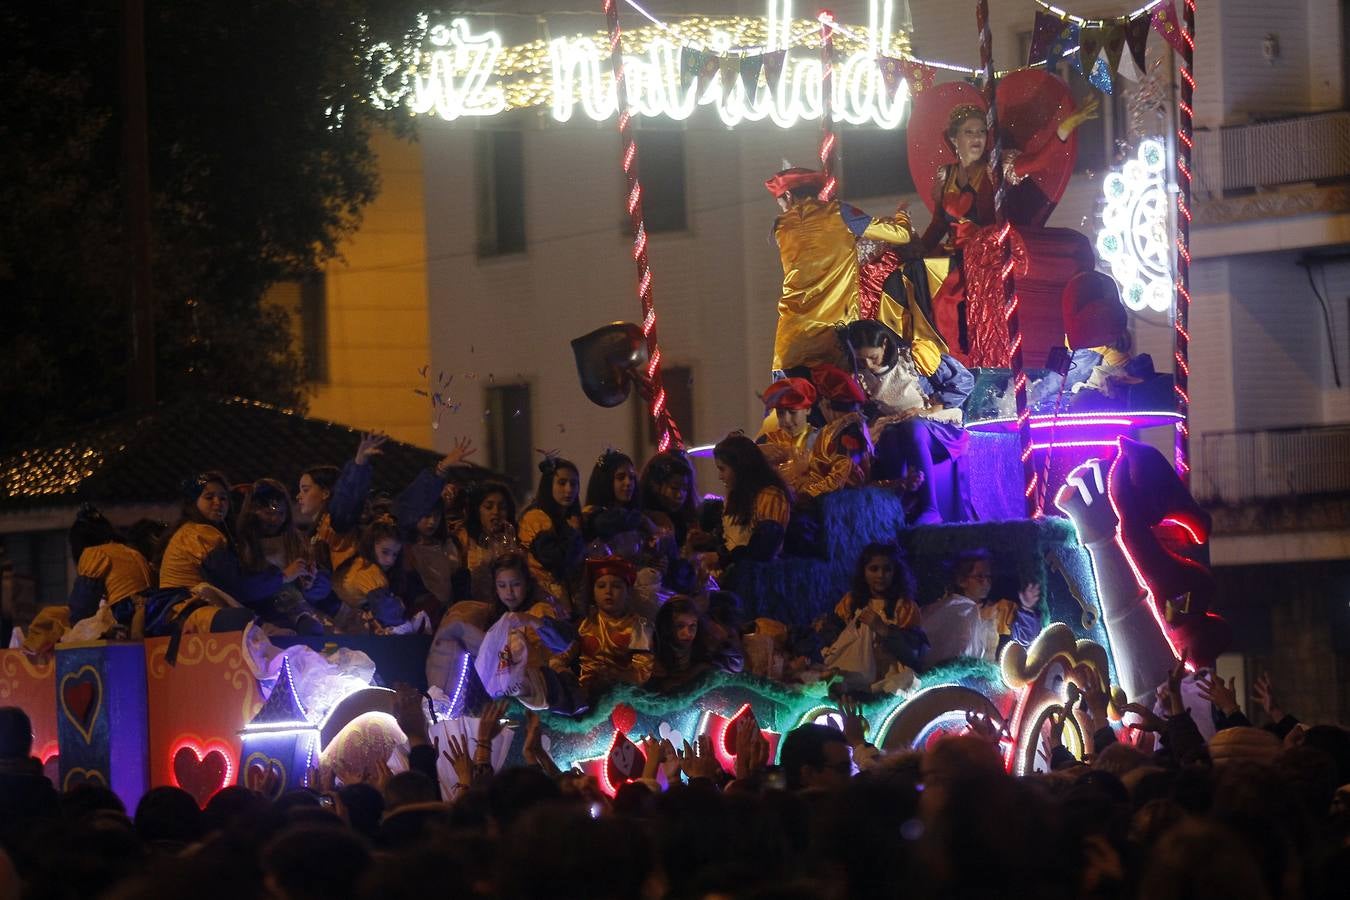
(1266,154)
(1243,466)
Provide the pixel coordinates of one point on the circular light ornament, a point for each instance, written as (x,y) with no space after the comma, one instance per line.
(1133,239)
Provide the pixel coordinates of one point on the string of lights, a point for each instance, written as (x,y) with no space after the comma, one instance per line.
(1182,339)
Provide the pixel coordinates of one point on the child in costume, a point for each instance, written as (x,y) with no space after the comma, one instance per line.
(106,567)
(687,648)
(333,502)
(963,622)
(788,446)
(202,551)
(818,246)
(515,656)
(487,530)
(613,510)
(877,641)
(550,530)
(916,393)
(615,644)
(268,539)
(421,512)
(669,494)
(758,503)
(369,603)
(842,456)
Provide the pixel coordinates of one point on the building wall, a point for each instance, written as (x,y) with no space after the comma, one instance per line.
(377,308)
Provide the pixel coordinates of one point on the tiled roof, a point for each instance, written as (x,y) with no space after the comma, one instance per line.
(144,457)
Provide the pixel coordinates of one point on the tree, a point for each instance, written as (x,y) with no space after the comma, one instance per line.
(260,163)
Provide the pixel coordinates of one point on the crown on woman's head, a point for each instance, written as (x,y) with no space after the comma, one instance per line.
(965,111)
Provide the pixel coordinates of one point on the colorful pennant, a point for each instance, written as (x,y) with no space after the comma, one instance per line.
(750,66)
(1043,34)
(1164,21)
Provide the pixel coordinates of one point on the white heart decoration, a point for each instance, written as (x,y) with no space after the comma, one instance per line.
(670,734)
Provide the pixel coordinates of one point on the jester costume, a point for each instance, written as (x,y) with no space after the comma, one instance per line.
(818,246)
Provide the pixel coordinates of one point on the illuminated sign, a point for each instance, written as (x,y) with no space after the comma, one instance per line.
(1134,240)
(454,72)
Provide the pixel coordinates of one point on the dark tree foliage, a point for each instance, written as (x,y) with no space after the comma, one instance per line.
(260,163)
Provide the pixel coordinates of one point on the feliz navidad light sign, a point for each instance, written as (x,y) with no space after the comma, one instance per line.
(741,67)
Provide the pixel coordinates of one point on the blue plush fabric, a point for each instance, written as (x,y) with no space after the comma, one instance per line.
(994,470)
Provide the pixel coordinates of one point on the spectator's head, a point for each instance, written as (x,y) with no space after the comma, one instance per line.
(206,499)
(232,806)
(559,489)
(90,529)
(613,481)
(514,792)
(315,863)
(88,799)
(168,817)
(381,542)
(365,808)
(882,572)
(407,788)
(815,756)
(1334,741)
(668,486)
(559,851)
(315,489)
(611,583)
(16,734)
(972,574)
(492,510)
(1201,859)
(512,583)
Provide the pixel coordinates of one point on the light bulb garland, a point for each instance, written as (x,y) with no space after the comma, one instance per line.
(1133,240)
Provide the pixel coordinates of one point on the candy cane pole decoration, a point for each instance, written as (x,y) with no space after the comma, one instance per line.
(668,433)
(829,138)
(1030,476)
(1182,336)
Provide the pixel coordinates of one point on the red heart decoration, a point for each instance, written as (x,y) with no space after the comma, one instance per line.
(733,727)
(257,772)
(79,698)
(623,718)
(201,776)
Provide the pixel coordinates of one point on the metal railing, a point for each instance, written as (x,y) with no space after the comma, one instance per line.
(1240,466)
(1265,154)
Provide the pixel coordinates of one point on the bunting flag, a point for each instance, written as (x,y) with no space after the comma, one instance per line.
(691,61)
(750,66)
(708,68)
(1090,39)
(1114,46)
(1136,37)
(892,72)
(1100,74)
(773,68)
(730,67)
(1059,48)
(919,76)
(1043,34)
(1164,21)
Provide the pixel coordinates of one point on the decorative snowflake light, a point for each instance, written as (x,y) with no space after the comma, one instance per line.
(1133,240)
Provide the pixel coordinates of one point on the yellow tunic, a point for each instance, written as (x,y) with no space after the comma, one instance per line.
(189,546)
(341,547)
(534,523)
(771,505)
(906,611)
(820,281)
(615,650)
(123,571)
(830,466)
(354,583)
(1002,613)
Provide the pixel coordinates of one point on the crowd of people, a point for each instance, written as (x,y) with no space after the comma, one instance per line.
(1252,813)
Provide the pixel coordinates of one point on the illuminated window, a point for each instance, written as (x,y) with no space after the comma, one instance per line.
(499,181)
(510,436)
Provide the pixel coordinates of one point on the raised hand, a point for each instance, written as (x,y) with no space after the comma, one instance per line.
(752,750)
(1030,596)
(984,727)
(491,723)
(670,761)
(701,763)
(408,714)
(1223,696)
(370,446)
(854,725)
(1176,704)
(1263,689)
(651,756)
(457,754)
(461,451)
(1148,719)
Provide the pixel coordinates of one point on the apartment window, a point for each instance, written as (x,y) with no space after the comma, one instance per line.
(304,301)
(499,179)
(662,170)
(679,384)
(510,437)
(876,163)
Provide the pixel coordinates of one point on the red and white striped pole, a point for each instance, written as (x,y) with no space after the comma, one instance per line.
(668,434)
(1031,478)
(1182,336)
(829,138)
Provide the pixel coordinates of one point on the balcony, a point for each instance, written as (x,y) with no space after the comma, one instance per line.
(1288,167)
(1294,479)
